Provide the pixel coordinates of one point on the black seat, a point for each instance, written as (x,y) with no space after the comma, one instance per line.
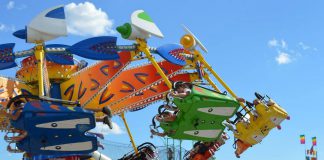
(239,115)
(258,96)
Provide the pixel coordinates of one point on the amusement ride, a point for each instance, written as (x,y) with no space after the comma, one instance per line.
(49,108)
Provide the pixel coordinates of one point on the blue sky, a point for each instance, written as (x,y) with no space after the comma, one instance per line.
(274,47)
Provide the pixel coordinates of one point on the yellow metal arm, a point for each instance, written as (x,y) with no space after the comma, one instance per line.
(199,57)
(206,76)
(39,55)
(143,48)
(129,132)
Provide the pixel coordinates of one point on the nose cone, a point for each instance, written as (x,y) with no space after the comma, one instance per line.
(125,30)
(22,34)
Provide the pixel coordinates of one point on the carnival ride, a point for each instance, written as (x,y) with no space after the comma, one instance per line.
(251,130)
(55,99)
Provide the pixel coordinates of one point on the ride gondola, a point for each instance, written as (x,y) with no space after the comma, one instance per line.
(200,115)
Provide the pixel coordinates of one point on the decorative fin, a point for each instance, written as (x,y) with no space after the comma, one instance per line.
(97,48)
(7,58)
(172,53)
(59,57)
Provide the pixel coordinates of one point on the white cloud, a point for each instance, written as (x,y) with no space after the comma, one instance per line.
(303,46)
(283,44)
(287,55)
(10,5)
(273,43)
(283,58)
(284,53)
(279,44)
(104,129)
(85,19)
(4,27)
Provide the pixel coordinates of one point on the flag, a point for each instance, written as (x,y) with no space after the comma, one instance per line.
(314,141)
(302,139)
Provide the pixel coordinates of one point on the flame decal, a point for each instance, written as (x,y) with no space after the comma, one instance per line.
(141,77)
(127,87)
(69,91)
(94,85)
(81,91)
(105,96)
(104,70)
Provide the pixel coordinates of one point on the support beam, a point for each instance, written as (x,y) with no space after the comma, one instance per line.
(199,57)
(39,55)
(206,76)
(129,132)
(143,48)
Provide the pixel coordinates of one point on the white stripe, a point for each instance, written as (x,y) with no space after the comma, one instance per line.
(204,133)
(66,124)
(223,111)
(80,146)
